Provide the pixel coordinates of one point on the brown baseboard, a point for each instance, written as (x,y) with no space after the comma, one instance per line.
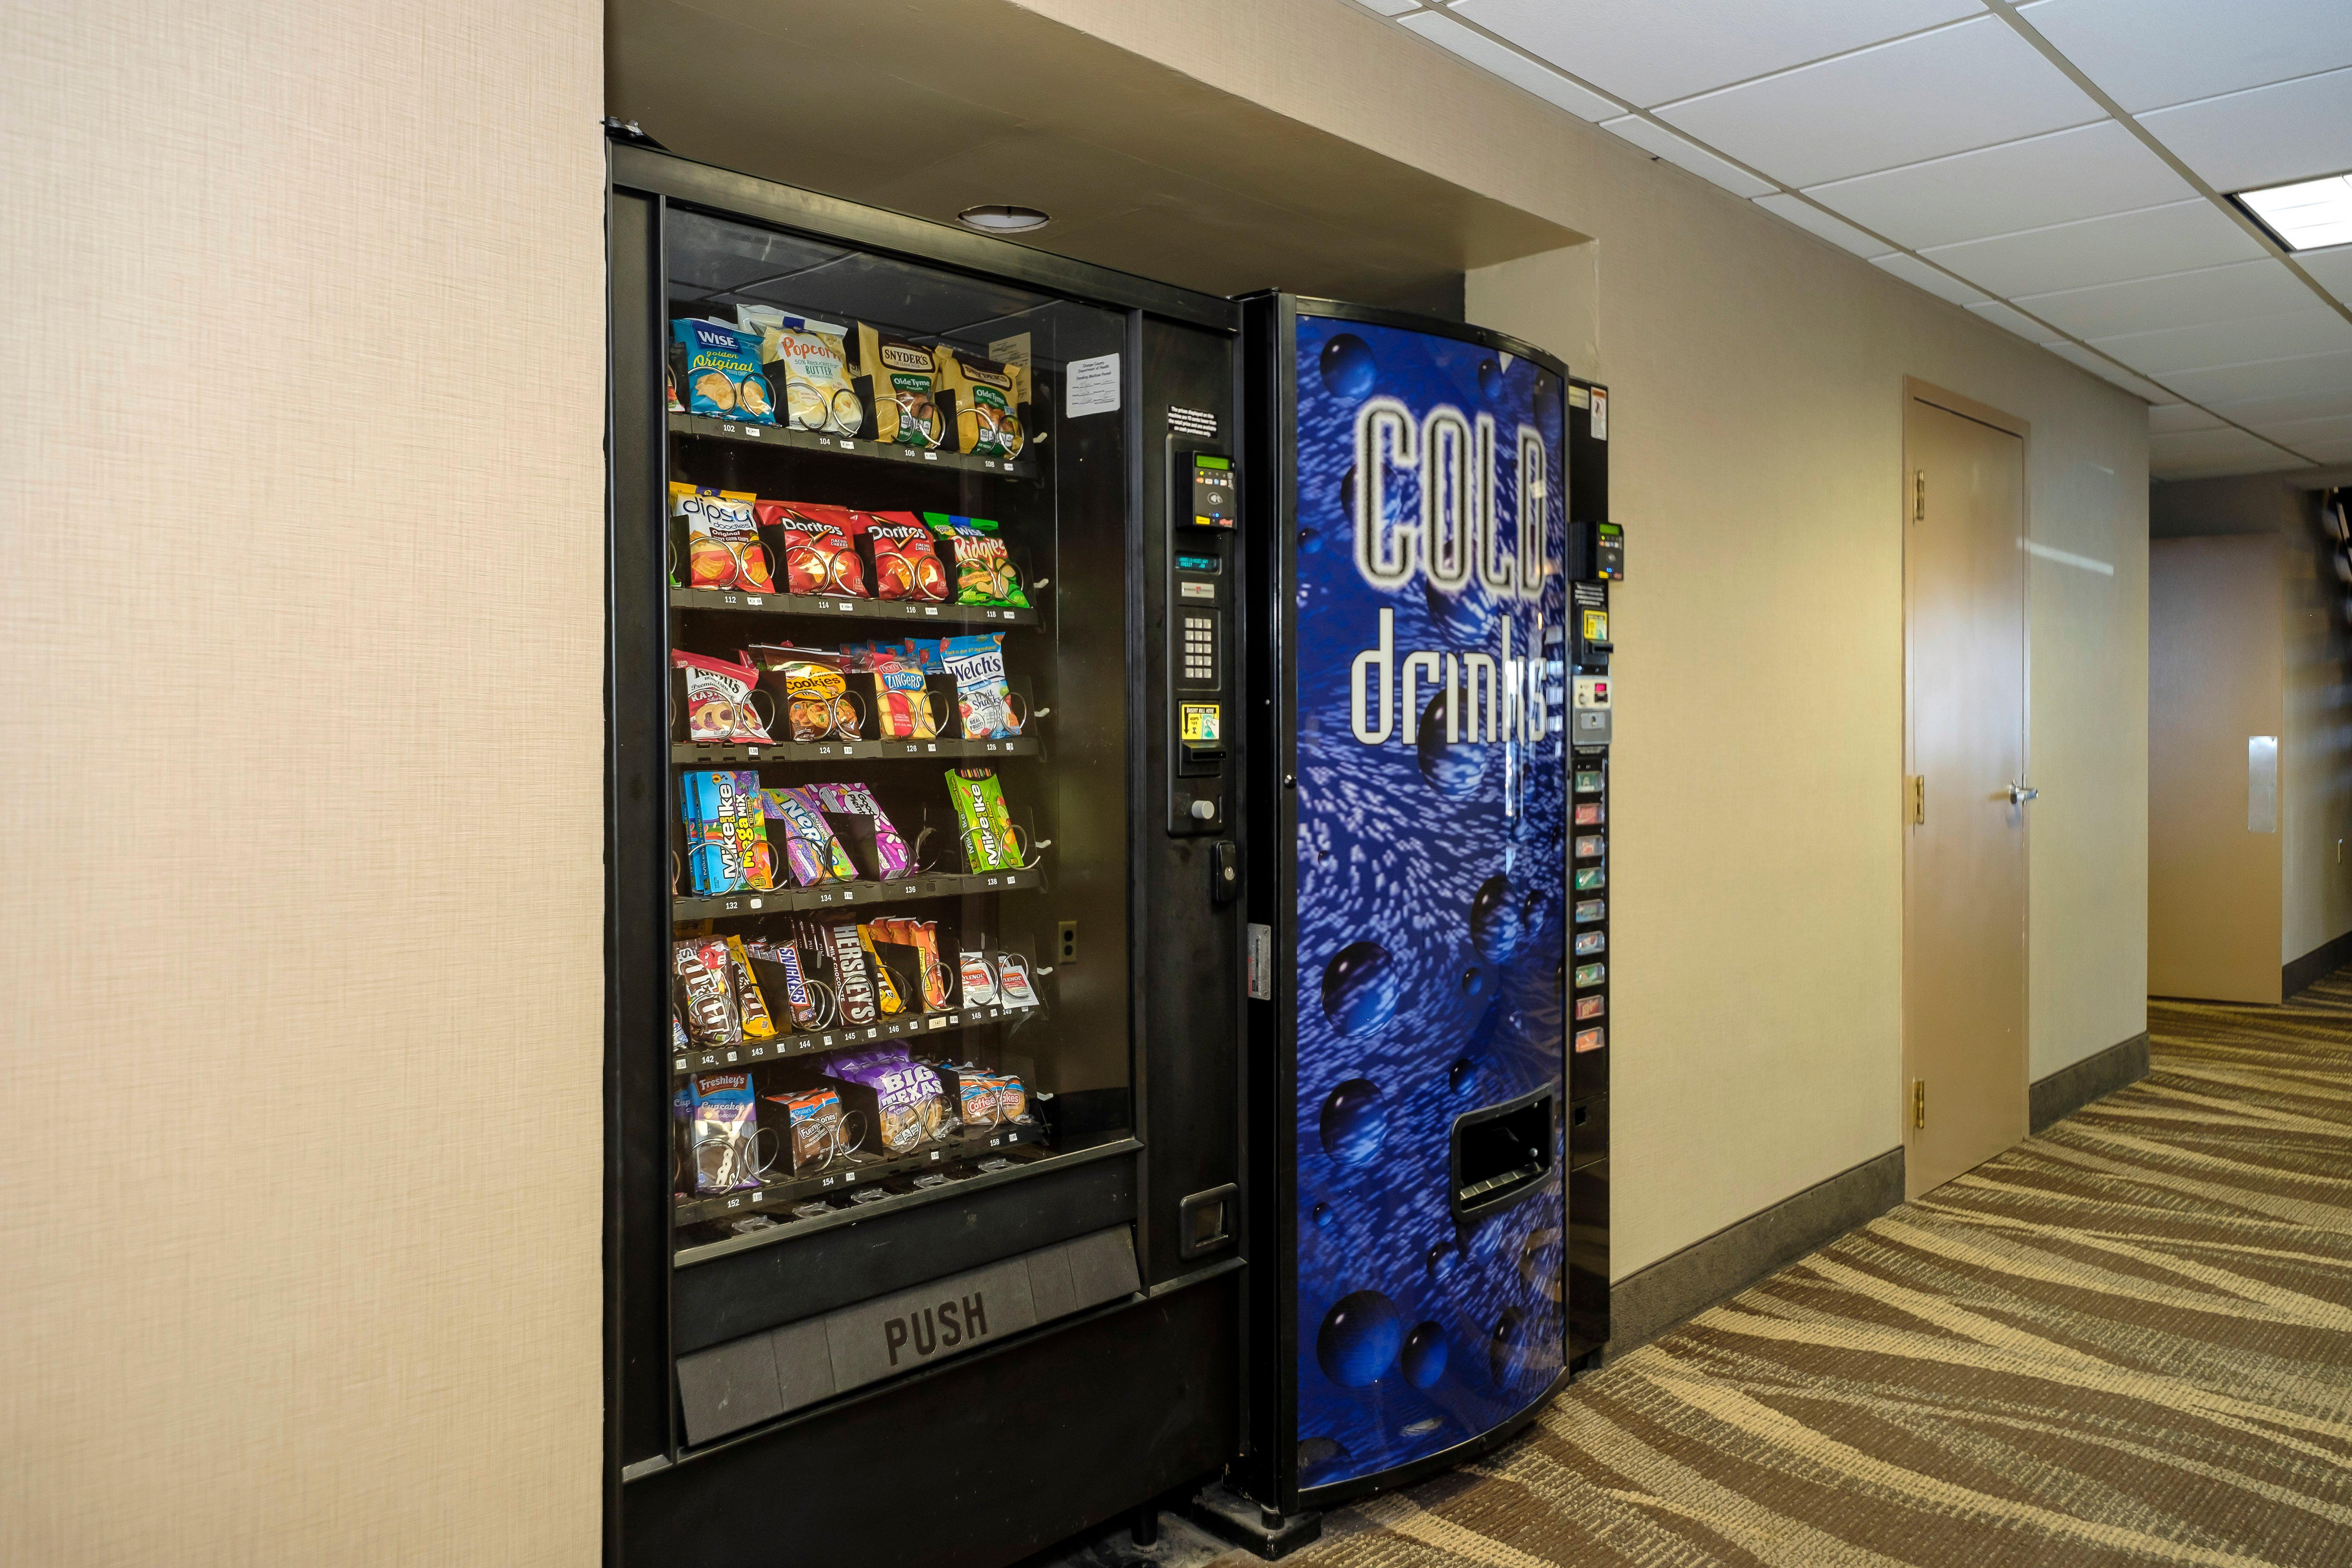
(1643,1305)
(2326,959)
(2070,1089)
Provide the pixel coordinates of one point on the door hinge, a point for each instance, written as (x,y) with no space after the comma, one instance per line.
(1919,792)
(1919,495)
(1919,1102)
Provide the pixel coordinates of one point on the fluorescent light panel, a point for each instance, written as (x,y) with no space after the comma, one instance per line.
(2308,215)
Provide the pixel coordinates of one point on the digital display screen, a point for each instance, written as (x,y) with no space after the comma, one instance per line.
(1199,564)
(1212,492)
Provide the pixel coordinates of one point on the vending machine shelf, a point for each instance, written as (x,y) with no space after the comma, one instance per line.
(721,1058)
(848,1173)
(834,895)
(703,425)
(708,756)
(897,611)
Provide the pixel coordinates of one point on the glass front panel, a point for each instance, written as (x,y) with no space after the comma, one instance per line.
(899,768)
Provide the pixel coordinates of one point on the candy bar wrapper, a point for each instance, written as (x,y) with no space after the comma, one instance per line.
(706,997)
(721,539)
(757,1023)
(981,698)
(818,555)
(718,699)
(984,572)
(986,825)
(758,855)
(856,799)
(907,562)
(1013,981)
(800,1001)
(979,979)
(810,851)
(924,935)
(886,989)
(726,1120)
(712,805)
(850,976)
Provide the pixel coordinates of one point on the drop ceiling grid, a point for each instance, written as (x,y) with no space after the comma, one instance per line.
(2010,158)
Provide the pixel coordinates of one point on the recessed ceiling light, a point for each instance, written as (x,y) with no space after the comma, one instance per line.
(1003,220)
(2307,214)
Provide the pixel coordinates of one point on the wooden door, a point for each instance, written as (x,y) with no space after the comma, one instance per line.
(1965,1094)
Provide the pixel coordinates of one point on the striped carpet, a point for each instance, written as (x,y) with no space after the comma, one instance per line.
(2126,1341)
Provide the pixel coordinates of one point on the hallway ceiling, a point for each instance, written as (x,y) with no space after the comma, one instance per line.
(2060,168)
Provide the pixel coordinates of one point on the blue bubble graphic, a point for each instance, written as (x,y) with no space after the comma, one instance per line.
(1322,1212)
(1490,378)
(1506,1348)
(1348,366)
(1458,1076)
(1358,1339)
(1355,1122)
(1495,924)
(1424,1355)
(1453,771)
(1467,617)
(1359,987)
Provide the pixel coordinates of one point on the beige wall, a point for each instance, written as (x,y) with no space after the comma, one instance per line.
(2216,642)
(1756,425)
(299,1260)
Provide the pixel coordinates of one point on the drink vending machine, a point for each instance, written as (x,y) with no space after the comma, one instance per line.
(1409,781)
(926,1185)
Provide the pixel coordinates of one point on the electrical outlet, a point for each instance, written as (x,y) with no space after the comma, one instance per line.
(1070,942)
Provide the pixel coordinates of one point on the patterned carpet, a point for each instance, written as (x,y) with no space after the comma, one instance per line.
(2128,1341)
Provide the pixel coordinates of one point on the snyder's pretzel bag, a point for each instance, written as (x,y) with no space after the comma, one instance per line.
(810,361)
(818,555)
(722,371)
(721,539)
(982,393)
(984,574)
(904,385)
(989,839)
(718,699)
(981,698)
(905,564)
(705,1000)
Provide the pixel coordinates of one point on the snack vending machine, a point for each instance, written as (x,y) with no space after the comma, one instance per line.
(1596,559)
(926,1179)
(1409,898)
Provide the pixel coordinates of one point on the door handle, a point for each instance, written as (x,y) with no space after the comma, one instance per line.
(2019,794)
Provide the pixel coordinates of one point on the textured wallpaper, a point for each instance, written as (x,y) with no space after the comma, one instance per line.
(302,359)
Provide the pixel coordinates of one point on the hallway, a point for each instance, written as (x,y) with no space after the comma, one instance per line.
(2126,1341)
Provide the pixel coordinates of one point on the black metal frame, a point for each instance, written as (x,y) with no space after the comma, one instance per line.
(642,1434)
(1270,1471)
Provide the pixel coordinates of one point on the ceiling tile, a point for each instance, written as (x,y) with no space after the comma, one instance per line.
(2331,268)
(1661,143)
(1913,270)
(1391,7)
(2111,249)
(1511,65)
(1946,91)
(2271,378)
(2210,451)
(1656,52)
(1812,220)
(2307,435)
(2296,333)
(2289,130)
(2087,172)
(2261,412)
(2017,321)
(2179,300)
(2148,53)
(2171,419)
(2076,354)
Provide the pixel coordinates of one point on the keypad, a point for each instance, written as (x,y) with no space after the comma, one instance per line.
(1201,649)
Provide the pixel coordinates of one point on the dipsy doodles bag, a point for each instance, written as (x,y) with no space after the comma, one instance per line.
(721,530)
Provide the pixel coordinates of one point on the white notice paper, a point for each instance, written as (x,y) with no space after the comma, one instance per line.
(1092,386)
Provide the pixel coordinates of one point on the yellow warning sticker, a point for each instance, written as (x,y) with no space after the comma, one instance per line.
(1199,720)
(1596,626)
